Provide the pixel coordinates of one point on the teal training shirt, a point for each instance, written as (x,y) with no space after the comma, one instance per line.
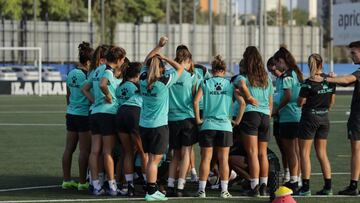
(181,97)
(236,105)
(291,112)
(260,94)
(78,103)
(126,91)
(155,108)
(201,73)
(276,96)
(101,106)
(217,95)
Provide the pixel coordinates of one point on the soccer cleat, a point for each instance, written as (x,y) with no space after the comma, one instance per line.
(69,184)
(122,191)
(131,190)
(157,196)
(200,194)
(325,192)
(252,192)
(97,192)
(263,190)
(305,193)
(293,186)
(112,192)
(170,192)
(181,193)
(84,186)
(194,178)
(225,194)
(349,191)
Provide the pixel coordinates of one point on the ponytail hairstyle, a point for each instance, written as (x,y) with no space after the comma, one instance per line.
(131,70)
(241,67)
(254,68)
(183,54)
(114,53)
(85,53)
(284,54)
(98,54)
(218,64)
(315,64)
(154,72)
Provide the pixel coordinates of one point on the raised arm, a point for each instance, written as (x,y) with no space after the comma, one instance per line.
(179,68)
(163,40)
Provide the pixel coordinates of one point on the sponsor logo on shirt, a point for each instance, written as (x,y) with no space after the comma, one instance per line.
(218,90)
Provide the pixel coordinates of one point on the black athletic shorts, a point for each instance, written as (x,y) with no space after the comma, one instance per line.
(353,126)
(215,138)
(276,128)
(76,123)
(103,124)
(289,130)
(182,133)
(313,125)
(256,123)
(155,140)
(127,119)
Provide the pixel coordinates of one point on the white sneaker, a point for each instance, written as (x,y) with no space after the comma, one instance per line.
(200,194)
(233,175)
(225,194)
(194,178)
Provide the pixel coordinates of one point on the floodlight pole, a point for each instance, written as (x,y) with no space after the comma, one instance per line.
(331,37)
(210,2)
(180,20)
(102,22)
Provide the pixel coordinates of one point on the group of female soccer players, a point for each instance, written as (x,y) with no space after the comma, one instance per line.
(152,109)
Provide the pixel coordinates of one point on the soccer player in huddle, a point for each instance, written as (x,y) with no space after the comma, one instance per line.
(316,98)
(216,128)
(77,120)
(154,89)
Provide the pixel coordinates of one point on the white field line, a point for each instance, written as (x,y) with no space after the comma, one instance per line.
(29,188)
(171,198)
(55,186)
(31,105)
(31,124)
(59,124)
(33,112)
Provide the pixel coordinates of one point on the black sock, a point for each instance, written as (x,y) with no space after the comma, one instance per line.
(327,185)
(353,184)
(305,184)
(151,188)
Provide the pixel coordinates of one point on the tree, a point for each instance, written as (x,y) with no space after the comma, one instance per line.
(18,9)
(272,16)
(300,16)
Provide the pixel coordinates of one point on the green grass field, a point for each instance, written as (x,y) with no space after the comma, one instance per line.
(32,136)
